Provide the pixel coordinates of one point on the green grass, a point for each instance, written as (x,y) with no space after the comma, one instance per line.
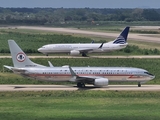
(145,45)
(79,105)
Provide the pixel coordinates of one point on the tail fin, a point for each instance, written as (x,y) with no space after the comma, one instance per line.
(122,38)
(19,58)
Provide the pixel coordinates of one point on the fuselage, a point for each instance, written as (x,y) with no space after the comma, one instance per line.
(118,74)
(90,48)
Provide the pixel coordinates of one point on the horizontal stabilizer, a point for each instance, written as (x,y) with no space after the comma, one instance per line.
(8,67)
(15,69)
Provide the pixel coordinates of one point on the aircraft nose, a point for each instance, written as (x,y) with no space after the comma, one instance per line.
(40,49)
(153,76)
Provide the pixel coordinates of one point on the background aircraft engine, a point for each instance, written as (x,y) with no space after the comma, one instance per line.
(74,52)
(101,82)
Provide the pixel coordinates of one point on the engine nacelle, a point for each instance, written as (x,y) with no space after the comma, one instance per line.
(74,52)
(99,82)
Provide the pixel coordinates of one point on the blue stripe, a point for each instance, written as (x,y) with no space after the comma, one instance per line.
(120,40)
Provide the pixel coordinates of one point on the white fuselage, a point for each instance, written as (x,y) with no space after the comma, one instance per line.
(89,48)
(111,73)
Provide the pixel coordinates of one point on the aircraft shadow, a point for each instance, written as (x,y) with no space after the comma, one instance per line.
(87,87)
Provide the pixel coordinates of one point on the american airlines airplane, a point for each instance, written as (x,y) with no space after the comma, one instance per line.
(84,48)
(98,76)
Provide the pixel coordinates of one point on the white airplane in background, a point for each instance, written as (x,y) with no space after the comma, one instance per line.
(98,76)
(84,48)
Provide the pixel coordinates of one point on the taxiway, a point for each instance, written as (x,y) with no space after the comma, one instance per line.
(74,88)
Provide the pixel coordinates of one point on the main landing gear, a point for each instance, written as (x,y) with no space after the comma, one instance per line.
(81,85)
(139,84)
(84,54)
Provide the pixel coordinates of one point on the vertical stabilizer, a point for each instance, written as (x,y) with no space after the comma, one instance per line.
(19,58)
(122,38)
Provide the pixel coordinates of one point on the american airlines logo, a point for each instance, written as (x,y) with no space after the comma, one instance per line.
(20,57)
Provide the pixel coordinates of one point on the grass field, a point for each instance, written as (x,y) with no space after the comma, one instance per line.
(79,105)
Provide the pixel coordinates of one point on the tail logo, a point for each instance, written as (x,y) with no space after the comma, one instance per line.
(120,40)
(21,57)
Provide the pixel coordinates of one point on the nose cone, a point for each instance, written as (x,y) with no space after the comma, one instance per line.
(152,77)
(43,50)
(40,49)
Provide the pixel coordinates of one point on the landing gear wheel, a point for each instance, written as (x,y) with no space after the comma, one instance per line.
(84,54)
(81,85)
(139,84)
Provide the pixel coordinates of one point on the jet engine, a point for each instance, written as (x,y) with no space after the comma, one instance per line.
(74,52)
(99,82)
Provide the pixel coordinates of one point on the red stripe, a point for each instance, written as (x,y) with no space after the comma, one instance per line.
(130,76)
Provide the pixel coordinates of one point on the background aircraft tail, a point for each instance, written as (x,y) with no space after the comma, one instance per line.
(122,38)
(19,58)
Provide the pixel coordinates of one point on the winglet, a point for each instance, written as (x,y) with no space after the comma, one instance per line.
(50,64)
(72,72)
(122,38)
(92,41)
(74,76)
(101,45)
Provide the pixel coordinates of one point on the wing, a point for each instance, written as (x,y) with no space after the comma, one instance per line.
(86,50)
(85,79)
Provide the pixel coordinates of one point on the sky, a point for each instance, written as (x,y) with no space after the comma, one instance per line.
(81,3)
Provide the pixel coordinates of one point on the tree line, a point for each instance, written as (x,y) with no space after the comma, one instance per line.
(51,16)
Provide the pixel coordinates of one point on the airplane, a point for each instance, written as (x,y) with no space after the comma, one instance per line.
(84,48)
(97,76)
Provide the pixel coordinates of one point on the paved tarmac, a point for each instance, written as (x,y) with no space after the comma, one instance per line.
(73,88)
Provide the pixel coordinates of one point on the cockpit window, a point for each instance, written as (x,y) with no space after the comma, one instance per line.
(148,73)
